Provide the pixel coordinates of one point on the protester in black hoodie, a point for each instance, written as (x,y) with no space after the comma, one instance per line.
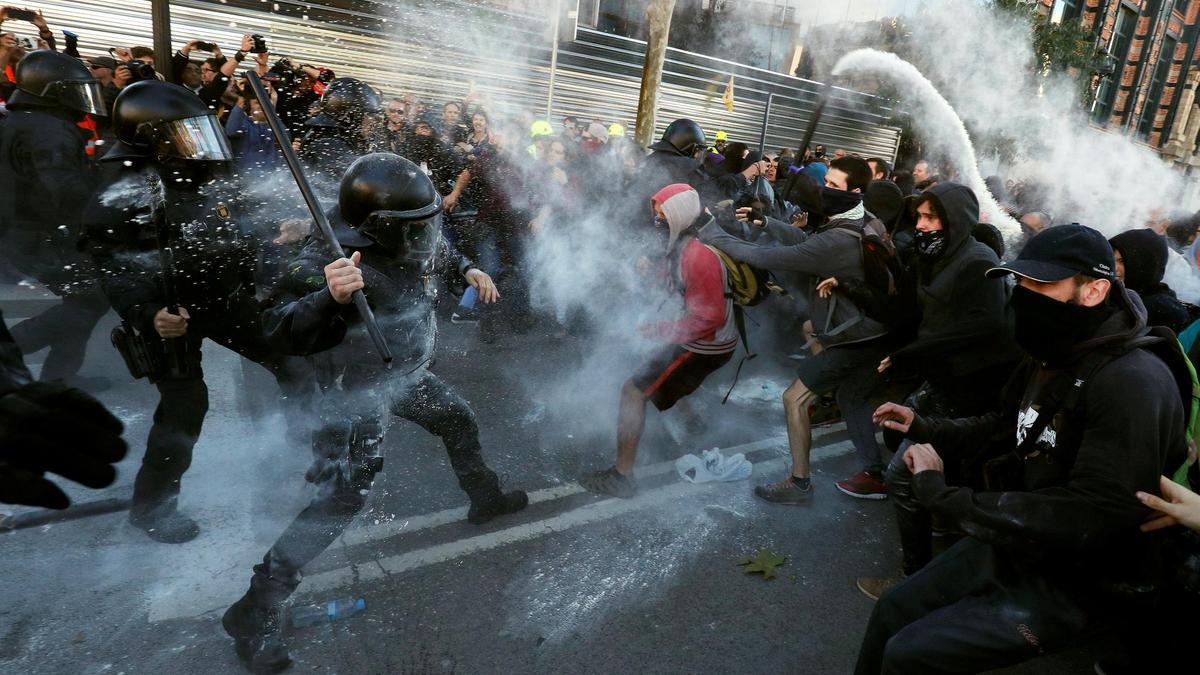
(953,323)
(1141,257)
(1053,549)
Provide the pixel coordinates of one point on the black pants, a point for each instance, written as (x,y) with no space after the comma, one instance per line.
(183,400)
(65,329)
(347,459)
(969,610)
(913,521)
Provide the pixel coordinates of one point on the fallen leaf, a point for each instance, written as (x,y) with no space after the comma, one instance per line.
(764,563)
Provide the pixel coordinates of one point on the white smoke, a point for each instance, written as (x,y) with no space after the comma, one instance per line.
(984,77)
(937,121)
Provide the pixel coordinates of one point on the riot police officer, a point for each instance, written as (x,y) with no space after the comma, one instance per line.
(674,157)
(388,219)
(47,178)
(178,269)
(344,129)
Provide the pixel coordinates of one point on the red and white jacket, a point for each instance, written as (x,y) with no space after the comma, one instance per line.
(707,325)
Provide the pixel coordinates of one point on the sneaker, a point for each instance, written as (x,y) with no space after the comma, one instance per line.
(466,316)
(610,482)
(863,486)
(784,492)
(875,587)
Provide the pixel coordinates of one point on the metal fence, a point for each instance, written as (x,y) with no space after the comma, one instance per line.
(435,49)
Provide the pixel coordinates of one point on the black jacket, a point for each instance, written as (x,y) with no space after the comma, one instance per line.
(304,319)
(954,319)
(213,256)
(1073,508)
(13,373)
(46,179)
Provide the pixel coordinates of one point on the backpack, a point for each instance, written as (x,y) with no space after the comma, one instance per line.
(748,285)
(881,266)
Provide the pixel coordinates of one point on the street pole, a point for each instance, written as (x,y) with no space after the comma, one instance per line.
(553,60)
(762,139)
(658,24)
(160,21)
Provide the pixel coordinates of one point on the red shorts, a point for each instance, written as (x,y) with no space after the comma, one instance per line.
(674,372)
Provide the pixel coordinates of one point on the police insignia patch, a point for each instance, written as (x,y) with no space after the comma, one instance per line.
(315,281)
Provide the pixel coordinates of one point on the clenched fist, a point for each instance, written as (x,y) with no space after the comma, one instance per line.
(344,277)
(170,325)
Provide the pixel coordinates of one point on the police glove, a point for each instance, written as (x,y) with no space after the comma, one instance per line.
(50,428)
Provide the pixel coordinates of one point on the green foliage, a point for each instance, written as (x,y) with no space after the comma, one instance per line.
(1058,48)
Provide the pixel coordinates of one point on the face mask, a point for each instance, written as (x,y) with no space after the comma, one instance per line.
(834,201)
(1048,330)
(930,244)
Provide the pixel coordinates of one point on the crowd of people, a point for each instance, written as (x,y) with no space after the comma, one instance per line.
(1037,400)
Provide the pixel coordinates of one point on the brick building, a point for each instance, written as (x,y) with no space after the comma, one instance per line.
(1146,87)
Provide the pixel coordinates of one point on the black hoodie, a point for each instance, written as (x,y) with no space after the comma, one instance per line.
(1144,253)
(1074,511)
(960,317)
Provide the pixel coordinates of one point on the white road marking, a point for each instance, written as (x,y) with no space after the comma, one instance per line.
(215,588)
(369,533)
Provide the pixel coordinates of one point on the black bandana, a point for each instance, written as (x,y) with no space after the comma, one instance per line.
(1048,329)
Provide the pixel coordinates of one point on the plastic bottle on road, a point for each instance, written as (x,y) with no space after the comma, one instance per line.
(333,610)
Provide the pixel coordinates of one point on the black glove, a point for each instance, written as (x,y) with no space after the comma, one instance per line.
(47,427)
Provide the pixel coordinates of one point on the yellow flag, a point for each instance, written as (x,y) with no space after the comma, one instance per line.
(728,97)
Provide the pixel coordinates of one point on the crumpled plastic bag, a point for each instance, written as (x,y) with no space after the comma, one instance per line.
(713,466)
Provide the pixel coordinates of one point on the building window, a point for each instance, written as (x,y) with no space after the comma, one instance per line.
(1161,71)
(1066,10)
(1119,49)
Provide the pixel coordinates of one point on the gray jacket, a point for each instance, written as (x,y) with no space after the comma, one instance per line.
(832,251)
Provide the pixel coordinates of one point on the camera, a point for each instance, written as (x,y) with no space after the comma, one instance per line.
(286,72)
(139,70)
(260,44)
(206,46)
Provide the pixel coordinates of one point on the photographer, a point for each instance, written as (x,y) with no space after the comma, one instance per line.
(134,64)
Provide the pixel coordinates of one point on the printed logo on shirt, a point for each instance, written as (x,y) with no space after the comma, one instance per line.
(1025,421)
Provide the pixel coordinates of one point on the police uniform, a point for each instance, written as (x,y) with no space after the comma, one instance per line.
(397,230)
(47,179)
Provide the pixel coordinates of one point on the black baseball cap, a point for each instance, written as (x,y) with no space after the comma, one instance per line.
(1061,252)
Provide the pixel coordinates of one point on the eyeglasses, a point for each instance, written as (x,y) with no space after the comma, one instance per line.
(97,67)
(395,111)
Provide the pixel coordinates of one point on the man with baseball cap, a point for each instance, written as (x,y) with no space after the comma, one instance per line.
(1053,549)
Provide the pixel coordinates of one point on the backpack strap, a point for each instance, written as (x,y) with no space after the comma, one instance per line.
(739,320)
(1066,391)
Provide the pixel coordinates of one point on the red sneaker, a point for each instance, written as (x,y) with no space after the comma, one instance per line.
(863,486)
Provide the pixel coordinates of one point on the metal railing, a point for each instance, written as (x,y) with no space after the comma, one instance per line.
(435,50)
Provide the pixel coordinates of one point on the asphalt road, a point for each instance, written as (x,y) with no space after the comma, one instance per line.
(575,583)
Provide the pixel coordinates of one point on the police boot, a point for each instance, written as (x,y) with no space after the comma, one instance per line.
(496,503)
(153,508)
(254,622)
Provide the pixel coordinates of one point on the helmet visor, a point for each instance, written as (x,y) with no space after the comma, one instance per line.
(198,138)
(414,241)
(86,96)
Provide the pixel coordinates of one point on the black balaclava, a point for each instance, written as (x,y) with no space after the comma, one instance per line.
(1049,330)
